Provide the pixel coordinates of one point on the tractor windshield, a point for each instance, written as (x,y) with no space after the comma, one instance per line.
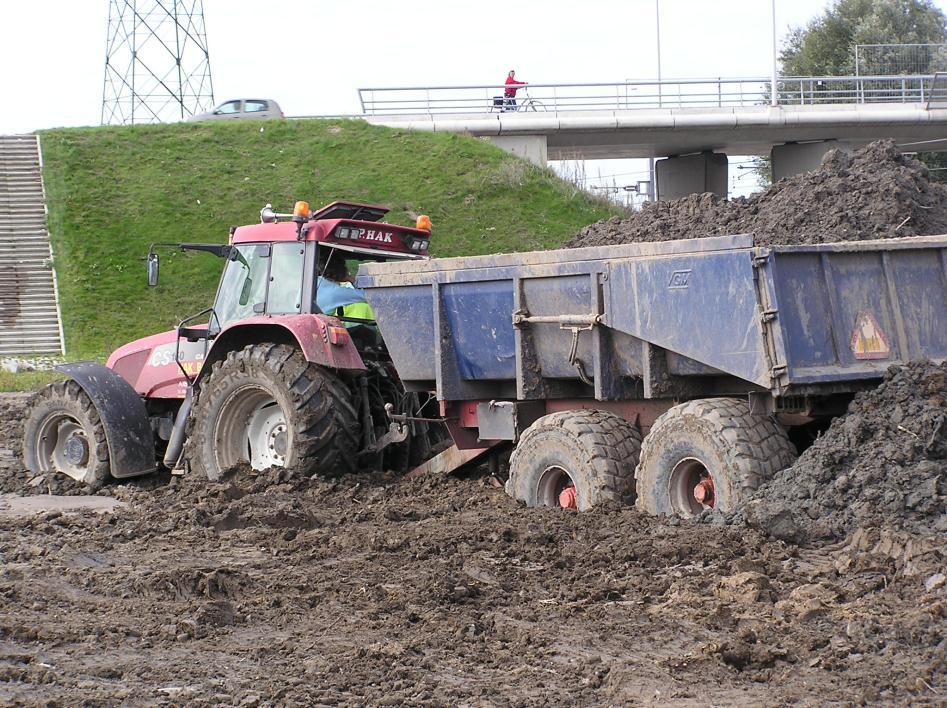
(243,285)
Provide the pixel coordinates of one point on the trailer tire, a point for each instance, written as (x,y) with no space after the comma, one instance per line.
(266,405)
(79,448)
(594,450)
(715,438)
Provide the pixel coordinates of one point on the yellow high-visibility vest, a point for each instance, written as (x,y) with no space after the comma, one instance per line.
(360,310)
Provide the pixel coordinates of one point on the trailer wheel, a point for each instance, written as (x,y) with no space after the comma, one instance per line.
(575,459)
(64,433)
(708,454)
(268,406)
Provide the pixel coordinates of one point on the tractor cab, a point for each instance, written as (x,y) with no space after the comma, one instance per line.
(277,267)
(276,282)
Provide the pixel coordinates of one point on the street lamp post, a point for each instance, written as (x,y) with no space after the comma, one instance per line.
(657,30)
(774,98)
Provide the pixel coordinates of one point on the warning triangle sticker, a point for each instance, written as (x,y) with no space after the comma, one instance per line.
(868,339)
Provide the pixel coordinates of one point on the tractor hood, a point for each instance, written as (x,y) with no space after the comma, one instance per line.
(149,365)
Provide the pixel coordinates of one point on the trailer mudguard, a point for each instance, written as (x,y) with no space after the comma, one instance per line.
(127,428)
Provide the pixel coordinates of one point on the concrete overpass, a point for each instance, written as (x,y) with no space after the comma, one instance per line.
(690,125)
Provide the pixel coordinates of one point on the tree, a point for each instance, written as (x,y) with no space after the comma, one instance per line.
(826,46)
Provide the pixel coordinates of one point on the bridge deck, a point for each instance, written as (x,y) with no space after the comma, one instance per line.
(652,119)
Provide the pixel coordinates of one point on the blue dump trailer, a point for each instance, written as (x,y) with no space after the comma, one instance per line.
(679,374)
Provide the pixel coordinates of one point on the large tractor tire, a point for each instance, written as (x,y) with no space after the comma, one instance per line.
(576,459)
(64,433)
(267,406)
(710,453)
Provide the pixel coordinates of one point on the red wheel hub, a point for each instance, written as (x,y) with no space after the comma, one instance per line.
(567,498)
(704,491)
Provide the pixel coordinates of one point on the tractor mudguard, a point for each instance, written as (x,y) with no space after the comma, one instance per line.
(127,428)
(322,339)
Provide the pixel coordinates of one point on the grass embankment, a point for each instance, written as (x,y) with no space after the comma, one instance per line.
(26,380)
(113,191)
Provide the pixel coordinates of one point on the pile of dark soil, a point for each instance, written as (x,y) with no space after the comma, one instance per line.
(874,193)
(882,464)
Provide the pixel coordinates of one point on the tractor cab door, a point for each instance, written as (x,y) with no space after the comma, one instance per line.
(260,278)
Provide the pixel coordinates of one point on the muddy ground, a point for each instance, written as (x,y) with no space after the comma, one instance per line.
(831,589)
(444,591)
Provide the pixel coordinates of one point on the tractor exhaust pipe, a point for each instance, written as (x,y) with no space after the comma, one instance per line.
(172,456)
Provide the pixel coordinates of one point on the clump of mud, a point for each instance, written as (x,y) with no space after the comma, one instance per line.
(873,193)
(13,474)
(882,464)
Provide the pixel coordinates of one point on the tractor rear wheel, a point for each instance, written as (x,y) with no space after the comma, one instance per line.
(708,454)
(267,406)
(64,433)
(575,459)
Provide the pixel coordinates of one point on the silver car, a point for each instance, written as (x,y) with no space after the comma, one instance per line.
(242,108)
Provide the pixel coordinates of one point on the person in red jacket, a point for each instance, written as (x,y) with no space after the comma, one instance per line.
(509,93)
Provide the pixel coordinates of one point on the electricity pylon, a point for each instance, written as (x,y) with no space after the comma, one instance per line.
(157,67)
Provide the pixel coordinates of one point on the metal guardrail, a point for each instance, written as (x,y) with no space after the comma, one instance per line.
(636,95)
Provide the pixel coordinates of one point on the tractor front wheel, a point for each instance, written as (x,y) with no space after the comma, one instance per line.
(64,433)
(267,406)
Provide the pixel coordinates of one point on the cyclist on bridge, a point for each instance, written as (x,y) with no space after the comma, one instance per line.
(509,93)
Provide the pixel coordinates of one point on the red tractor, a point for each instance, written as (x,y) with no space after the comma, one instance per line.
(265,376)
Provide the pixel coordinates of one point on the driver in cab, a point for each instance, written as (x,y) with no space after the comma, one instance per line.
(336,293)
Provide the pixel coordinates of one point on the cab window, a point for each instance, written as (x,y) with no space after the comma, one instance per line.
(254,106)
(286,278)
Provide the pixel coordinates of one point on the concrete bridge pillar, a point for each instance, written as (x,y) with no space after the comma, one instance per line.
(679,176)
(795,158)
(530,147)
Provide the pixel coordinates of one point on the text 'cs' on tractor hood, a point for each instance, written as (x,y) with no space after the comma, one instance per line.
(149,365)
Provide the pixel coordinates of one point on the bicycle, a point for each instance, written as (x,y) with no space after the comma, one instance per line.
(513,105)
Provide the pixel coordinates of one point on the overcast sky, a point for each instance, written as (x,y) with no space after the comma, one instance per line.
(312,56)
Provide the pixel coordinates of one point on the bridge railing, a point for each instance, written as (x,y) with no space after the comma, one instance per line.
(646,94)
(937,94)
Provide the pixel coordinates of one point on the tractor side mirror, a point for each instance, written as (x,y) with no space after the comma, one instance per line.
(245,291)
(152,269)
